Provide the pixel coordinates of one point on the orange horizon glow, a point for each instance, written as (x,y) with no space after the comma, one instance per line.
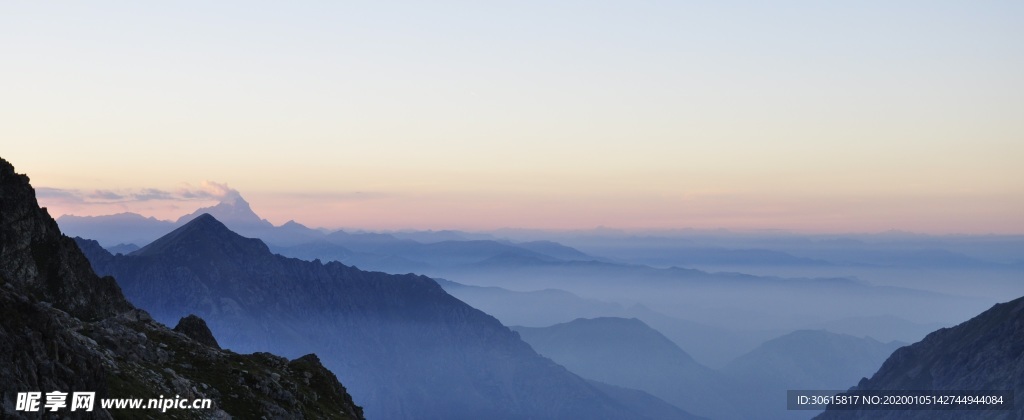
(483,212)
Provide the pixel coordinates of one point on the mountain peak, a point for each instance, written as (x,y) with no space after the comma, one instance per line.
(232,210)
(207,219)
(204,234)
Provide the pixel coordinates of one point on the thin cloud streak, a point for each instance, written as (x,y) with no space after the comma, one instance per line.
(206,191)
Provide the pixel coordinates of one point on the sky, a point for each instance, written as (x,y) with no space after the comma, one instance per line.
(805,116)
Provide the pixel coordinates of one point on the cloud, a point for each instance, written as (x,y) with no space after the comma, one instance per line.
(106,195)
(206,191)
(58,194)
(209,190)
(340,196)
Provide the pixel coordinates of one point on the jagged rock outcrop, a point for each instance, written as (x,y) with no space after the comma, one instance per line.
(195,328)
(64,328)
(984,353)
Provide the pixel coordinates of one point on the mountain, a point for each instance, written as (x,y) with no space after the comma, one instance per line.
(321,249)
(880,327)
(405,347)
(734,300)
(63,328)
(984,353)
(805,359)
(628,353)
(232,210)
(121,228)
(557,250)
(812,359)
(530,308)
(642,403)
(711,345)
(123,248)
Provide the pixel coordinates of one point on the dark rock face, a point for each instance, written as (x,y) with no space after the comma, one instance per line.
(984,353)
(405,347)
(195,328)
(42,263)
(64,328)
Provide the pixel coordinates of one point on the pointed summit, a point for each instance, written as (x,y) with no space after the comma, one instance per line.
(204,235)
(233,211)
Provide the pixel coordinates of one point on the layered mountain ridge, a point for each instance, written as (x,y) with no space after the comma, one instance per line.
(405,347)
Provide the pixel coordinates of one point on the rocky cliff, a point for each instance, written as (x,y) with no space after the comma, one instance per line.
(63,328)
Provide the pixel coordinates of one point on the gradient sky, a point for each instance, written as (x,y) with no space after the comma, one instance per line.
(801,115)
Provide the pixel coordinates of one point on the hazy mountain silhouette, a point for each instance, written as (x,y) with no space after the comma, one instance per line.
(121,228)
(536,308)
(733,300)
(643,403)
(626,352)
(805,359)
(883,328)
(814,359)
(405,348)
(233,211)
(983,353)
(122,248)
(64,328)
(322,249)
(714,346)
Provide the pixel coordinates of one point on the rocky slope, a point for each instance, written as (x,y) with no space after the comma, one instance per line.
(64,328)
(984,353)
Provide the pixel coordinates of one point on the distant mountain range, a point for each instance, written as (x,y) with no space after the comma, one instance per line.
(132,228)
(719,299)
(394,253)
(405,348)
(63,328)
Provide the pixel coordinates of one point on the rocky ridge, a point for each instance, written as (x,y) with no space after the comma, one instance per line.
(983,353)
